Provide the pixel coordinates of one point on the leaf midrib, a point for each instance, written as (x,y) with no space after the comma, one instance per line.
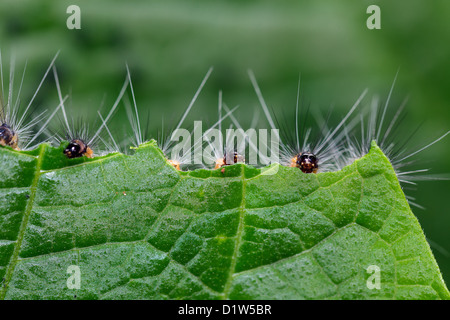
(239,232)
(23,226)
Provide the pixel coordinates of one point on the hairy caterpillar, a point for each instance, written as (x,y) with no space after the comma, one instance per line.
(400,153)
(167,143)
(16,127)
(310,154)
(216,152)
(81,141)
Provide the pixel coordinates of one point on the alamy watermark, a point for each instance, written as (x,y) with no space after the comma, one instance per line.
(260,147)
(374,20)
(374,280)
(74,20)
(74,280)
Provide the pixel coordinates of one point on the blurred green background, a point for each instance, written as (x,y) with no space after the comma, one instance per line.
(169,47)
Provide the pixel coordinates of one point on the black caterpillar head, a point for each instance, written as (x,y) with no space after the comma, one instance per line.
(223,162)
(78,148)
(8,137)
(307,162)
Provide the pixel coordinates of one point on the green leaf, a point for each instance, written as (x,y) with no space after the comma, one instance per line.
(137,228)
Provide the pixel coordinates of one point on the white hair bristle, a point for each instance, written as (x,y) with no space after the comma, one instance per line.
(375,127)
